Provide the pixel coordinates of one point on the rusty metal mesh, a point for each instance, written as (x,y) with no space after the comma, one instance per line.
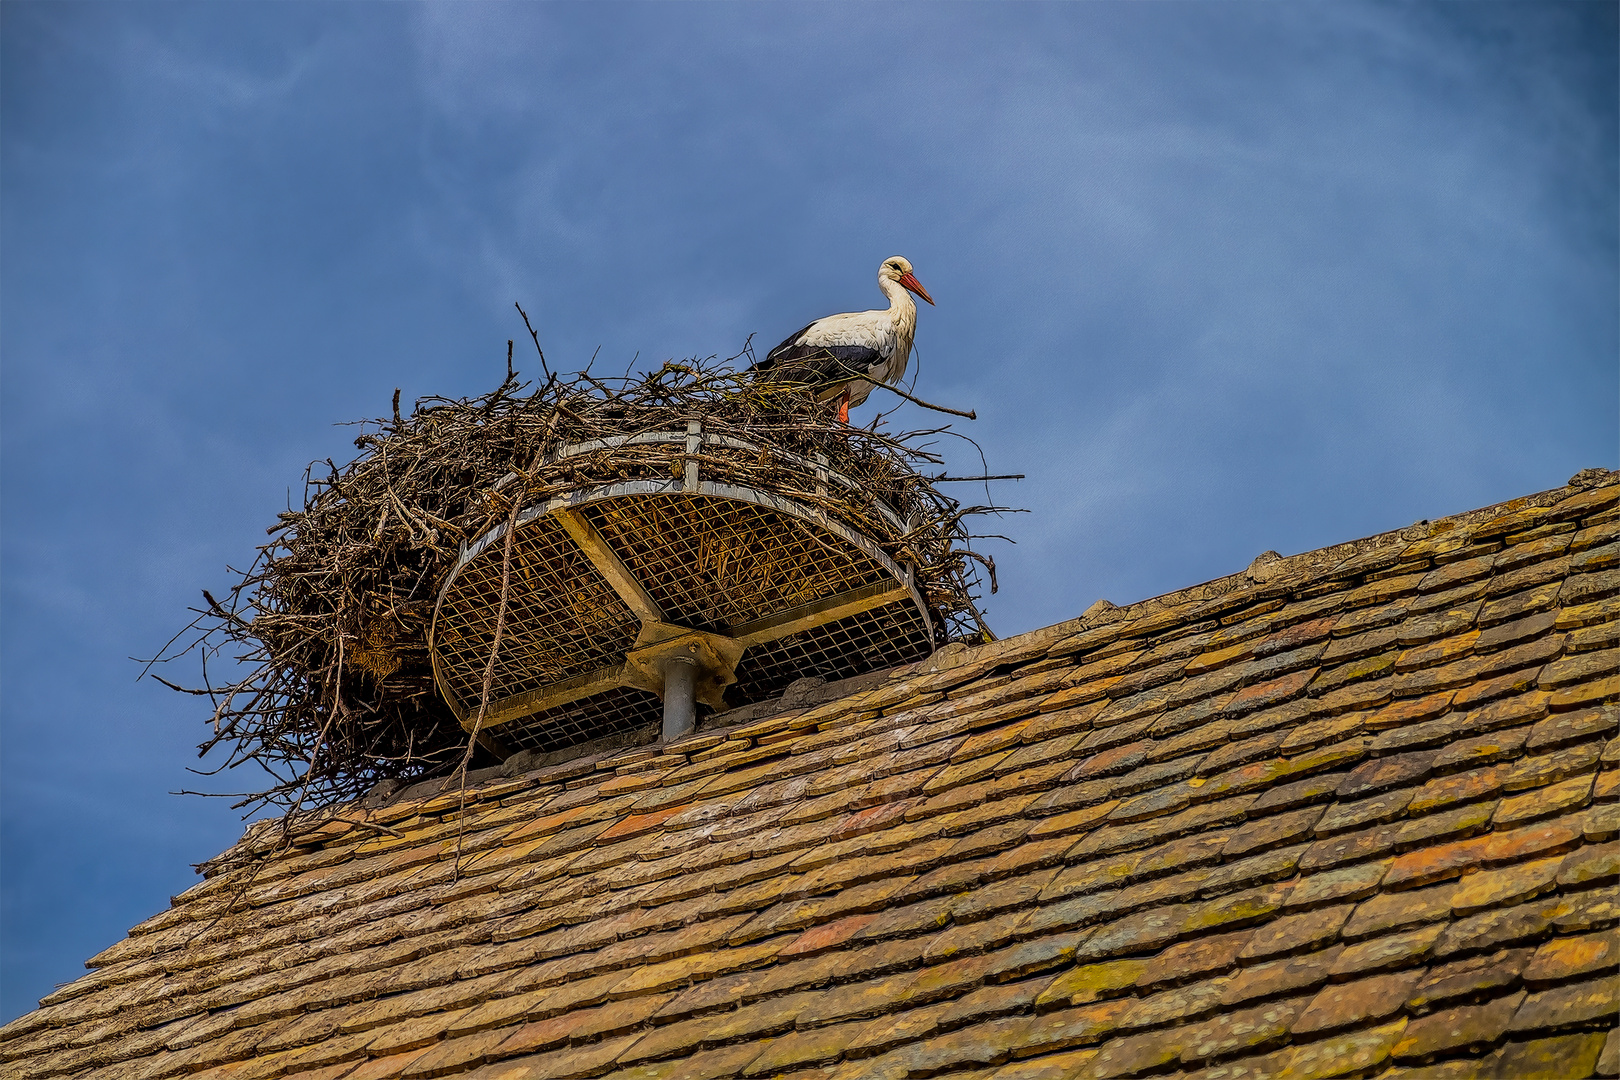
(615,712)
(710,563)
(868,641)
(713,564)
(562,619)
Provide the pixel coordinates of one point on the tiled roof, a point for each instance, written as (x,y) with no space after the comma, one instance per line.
(1348,814)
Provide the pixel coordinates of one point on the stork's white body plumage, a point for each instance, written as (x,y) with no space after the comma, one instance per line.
(847,355)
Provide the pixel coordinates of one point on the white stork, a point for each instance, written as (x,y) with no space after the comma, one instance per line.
(845,356)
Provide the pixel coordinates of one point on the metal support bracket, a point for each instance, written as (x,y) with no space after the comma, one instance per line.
(618,575)
(551,697)
(715,655)
(819,613)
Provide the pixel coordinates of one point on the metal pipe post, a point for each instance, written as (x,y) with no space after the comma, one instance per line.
(680,705)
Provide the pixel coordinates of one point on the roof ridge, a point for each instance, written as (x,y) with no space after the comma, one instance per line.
(1296,570)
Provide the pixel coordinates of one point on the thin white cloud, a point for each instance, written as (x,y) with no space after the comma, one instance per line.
(208,83)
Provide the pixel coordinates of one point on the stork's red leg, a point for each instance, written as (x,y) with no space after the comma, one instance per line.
(843,408)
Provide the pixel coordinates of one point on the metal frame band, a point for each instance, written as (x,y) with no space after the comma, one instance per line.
(820,470)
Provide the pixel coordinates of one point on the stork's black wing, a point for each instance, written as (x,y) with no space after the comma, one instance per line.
(776,355)
(817,365)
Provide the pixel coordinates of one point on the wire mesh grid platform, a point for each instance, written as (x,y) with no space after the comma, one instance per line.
(799,590)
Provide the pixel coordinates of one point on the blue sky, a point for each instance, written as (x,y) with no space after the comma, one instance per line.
(1218,278)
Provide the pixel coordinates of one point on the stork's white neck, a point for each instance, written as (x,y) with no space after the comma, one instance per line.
(899,299)
(903,316)
(902,310)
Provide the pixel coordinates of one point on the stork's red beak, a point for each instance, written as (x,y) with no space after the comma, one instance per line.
(909,281)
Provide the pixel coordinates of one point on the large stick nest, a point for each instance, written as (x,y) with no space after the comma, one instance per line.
(324,638)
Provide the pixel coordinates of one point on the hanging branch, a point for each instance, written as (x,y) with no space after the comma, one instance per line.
(970,414)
